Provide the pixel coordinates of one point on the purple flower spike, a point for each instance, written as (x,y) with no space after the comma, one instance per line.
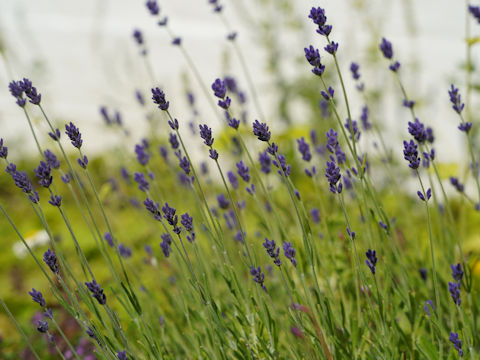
(158,97)
(410,153)
(332,48)
(55,200)
(289,252)
(37,297)
(475,11)
(97,292)
(426,307)
(354,67)
(44,173)
(206,135)
(272,251)
(219,88)
(457,272)
(50,259)
(153,7)
(55,135)
(371,260)
(258,276)
(386,48)
(260,130)
(454,289)
(42,326)
(74,135)
(138,36)
(455,340)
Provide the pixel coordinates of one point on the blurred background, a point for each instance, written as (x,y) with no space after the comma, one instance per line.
(81,55)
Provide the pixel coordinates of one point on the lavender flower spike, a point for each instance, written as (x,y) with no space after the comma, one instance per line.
(260,130)
(97,291)
(74,134)
(158,97)
(457,343)
(289,252)
(37,297)
(50,259)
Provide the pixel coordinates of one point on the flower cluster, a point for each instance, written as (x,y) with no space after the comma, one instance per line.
(272,251)
(97,291)
(371,260)
(220,91)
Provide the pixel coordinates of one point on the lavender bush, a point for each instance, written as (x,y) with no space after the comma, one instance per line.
(257,239)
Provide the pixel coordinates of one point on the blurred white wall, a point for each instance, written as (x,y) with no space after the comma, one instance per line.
(80,54)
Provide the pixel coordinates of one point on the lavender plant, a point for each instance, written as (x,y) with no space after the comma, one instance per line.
(181,262)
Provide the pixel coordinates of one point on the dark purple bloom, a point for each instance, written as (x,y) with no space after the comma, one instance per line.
(32,94)
(250,189)
(109,239)
(143,184)
(260,130)
(122,355)
(475,11)
(332,140)
(272,251)
(55,135)
(173,124)
(177,41)
(386,48)
(97,292)
(383,225)
(351,233)
(74,134)
(354,67)
(124,251)
(16,90)
(166,244)
(232,178)
(206,135)
(154,9)
(272,149)
(313,57)
(423,273)
(219,88)
(427,309)
(225,104)
(410,153)
(55,200)
(454,289)
(22,182)
(315,213)
(204,168)
(173,141)
(457,272)
(172,219)
(331,48)
(153,208)
(465,127)
(83,162)
(456,99)
(430,136)
(332,172)
(243,171)
(364,118)
(138,36)
(408,103)
(422,197)
(184,163)
(354,129)
(318,16)
(304,149)
(371,260)
(232,36)
(51,159)
(139,97)
(37,297)
(65,178)
(42,326)
(223,202)
(264,160)
(281,164)
(456,184)
(454,338)
(258,276)
(163,21)
(3,150)
(232,122)
(395,66)
(43,174)
(50,259)
(289,252)
(48,313)
(187,222)
(417,130)
(158,97)
(142,154)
